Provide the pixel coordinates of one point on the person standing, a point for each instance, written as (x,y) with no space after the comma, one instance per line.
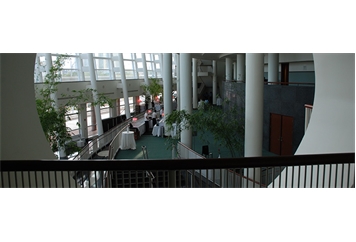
(154,118)
(147,126)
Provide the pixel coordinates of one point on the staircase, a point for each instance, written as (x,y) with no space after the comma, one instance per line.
(133,179)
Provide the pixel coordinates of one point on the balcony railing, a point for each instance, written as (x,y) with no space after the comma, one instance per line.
(299,171)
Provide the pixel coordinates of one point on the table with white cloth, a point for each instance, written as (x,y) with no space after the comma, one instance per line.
(128,140)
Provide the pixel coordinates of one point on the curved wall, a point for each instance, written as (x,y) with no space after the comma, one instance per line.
(332,124)
(22,137)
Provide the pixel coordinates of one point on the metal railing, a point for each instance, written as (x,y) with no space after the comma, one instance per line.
(99,142)
(299,171)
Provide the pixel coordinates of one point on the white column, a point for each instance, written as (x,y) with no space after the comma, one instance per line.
(228,68)
(99,123)
(234,70)
(82,116)
(186,93)
(178,81)
(254,108)
(195,84)
(273,67)
(145,73)
(167,88)
(240,67)
(79,64)
(124,86)
(215,82)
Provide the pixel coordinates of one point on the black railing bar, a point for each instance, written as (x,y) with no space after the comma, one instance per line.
(336,176)
(130,178)
(330,176)
(221,176)
(96,181)
(317,178)
(58,165)
(292,176)
(342,176)
(311,177)
(136,174)
(285,185)
(88,177)
(69,180)
(200,181)
(247,181)
(273,169)
(180,178)
(29,179)
(144,174)
(22,179)
(305,176)
(214,182)
(234,178)
(8,177)
(123,178)
(55,179)
(36,179)
(254,178)
(348,176)
(16,179)
(280,177)
(2,179)
(299,176)
(62,181)
(49,179)
(324,177)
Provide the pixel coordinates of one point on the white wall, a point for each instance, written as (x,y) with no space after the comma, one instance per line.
(332,124)
(21,132)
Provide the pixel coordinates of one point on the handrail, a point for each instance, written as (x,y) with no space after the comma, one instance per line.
(101,141)
(176,164)
(318,170)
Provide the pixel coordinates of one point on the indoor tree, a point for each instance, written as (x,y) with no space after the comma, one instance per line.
(52,116)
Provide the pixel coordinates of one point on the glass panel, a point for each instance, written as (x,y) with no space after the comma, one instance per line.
(103,74)
(130,74)
(102,64)
(148,57)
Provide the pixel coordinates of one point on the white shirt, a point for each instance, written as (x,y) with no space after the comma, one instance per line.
(154,115)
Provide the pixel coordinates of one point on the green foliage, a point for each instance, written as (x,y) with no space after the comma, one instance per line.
(226,125)
(52,117)
(154,88)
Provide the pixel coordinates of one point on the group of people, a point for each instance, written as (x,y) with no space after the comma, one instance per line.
(152,114)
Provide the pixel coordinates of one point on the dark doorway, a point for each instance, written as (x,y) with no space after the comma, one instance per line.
(284,73)
(281,134)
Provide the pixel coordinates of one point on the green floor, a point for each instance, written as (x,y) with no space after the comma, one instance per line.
(157,148)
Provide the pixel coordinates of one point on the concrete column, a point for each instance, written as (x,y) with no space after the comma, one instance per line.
(82,116)
(240,67)
(124,86)
(234,70)
(254,108)
(145,73)
(195,84)
(186,93)
(99,123)
(228,69)
(167,88)
(79,64)
(178,82)
(273,67)
(215,82)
